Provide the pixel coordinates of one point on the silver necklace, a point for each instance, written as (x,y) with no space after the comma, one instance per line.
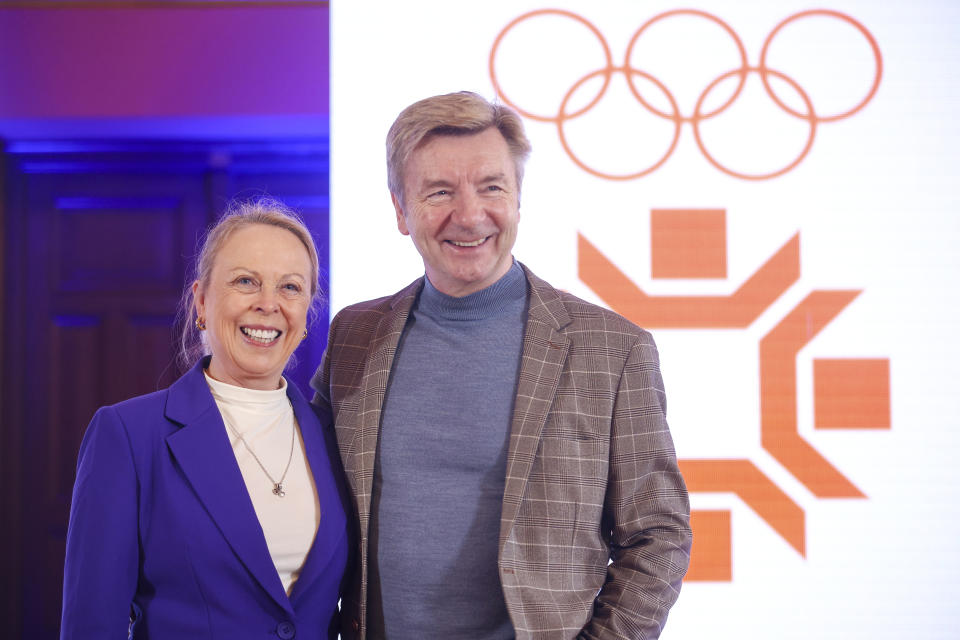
(277,485)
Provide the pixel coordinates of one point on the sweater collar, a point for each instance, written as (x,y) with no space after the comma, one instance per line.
(486,303)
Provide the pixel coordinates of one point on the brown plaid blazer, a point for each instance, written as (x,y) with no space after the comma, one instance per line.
(592,475)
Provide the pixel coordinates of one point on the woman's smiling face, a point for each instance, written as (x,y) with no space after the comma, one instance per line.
(255,305)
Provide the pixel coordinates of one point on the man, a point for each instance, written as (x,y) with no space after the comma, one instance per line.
(505,442)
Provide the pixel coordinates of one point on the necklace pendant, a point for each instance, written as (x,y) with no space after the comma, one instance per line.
(278,490)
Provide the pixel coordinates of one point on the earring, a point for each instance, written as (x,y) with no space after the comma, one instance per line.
(304,334)
(201,325)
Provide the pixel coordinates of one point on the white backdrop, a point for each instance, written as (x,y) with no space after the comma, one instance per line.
(874,201)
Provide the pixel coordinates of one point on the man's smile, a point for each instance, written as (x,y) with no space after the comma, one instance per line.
(468,243)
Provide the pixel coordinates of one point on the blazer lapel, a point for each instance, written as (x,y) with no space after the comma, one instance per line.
(202,449)
(333,521)
(357,434)
(544,353)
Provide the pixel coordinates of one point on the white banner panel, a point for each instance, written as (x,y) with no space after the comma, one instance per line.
(772,191)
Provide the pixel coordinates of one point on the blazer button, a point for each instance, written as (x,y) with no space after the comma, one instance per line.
(286,630)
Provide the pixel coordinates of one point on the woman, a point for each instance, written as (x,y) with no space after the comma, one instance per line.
(213,509)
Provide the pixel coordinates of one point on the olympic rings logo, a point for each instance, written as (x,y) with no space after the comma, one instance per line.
(701,113)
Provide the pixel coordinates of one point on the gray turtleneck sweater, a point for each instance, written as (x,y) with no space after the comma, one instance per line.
(441,467)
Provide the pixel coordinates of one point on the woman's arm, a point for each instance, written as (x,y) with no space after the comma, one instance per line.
(100,573)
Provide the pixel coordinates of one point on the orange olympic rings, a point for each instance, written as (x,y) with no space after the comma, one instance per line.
(698,116)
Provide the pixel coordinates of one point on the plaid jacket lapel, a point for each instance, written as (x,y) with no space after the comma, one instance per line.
(544,352)
(359,433)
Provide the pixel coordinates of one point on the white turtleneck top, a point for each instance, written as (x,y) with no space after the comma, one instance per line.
(265,420)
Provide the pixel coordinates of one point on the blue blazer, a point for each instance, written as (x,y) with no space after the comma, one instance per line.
(162,529)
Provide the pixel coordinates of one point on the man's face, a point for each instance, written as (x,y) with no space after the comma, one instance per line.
(461,209)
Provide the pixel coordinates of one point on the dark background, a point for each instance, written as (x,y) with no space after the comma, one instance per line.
(125,128)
